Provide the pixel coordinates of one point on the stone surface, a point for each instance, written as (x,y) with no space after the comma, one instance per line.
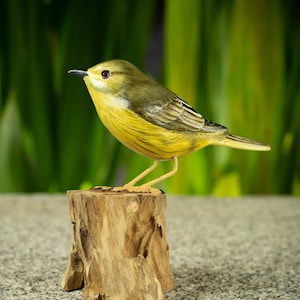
(242,248)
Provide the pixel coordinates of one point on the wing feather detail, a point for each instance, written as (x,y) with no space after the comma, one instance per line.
(175,114)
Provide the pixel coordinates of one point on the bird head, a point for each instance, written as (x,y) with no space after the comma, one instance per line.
(111,77)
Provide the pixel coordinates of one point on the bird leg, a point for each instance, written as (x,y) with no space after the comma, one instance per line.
(163,177)
(146,187)
(142,175)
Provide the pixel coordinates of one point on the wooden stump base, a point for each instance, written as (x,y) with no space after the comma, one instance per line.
(120,250)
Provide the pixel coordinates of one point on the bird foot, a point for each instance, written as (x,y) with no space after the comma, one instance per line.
(129,189)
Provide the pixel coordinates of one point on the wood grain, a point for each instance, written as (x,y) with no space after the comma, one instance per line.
(120,249)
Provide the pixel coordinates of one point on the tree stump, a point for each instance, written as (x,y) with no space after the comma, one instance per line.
(119,250)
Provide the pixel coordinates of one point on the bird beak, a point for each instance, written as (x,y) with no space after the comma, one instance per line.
(79,73)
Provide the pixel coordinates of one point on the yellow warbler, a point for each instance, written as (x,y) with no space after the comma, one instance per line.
(150,119)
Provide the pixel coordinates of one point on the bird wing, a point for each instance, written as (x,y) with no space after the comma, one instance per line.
(175,114)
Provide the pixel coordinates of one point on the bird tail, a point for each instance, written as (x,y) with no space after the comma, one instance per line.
(238,142)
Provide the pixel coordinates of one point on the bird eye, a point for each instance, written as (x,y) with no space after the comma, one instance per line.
(105,74)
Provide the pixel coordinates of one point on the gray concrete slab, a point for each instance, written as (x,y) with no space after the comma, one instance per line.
(244,248)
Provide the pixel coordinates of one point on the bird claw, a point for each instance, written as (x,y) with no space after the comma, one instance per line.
(129,189)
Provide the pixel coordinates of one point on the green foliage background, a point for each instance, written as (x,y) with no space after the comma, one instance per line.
(236,61)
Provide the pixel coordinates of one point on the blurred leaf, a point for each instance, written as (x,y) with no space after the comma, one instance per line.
(235,61)
(227,186)
(11,149)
